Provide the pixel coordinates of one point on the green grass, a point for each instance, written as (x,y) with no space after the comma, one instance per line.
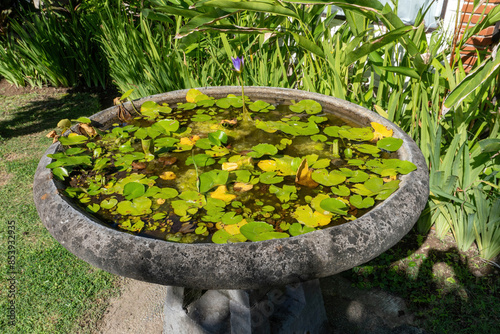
(55,291)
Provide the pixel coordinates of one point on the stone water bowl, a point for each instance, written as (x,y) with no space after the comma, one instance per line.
(249,265)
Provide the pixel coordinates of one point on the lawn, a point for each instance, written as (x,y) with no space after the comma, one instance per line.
(54,291)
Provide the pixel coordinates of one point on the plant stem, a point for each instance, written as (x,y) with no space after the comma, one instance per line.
(246,115)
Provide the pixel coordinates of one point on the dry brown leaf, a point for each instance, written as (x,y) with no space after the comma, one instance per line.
(304,175)
(87,130)
(242,187)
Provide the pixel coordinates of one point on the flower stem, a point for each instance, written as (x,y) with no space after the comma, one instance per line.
(246,115)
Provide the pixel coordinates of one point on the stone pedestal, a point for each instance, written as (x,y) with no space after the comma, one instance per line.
(294,308)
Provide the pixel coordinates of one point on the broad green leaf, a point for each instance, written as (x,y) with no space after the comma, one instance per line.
(360,202)
(218,138)
(262,149)
(201,160)
(334,205)
(270,178)
(310,218)
(328,179)
(390,144)
(298,229)
(133,190)
(310,107)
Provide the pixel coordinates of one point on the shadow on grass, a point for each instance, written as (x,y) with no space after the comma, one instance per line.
(44,110)
(447,290)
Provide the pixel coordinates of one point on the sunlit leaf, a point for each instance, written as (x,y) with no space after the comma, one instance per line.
(304,176)
(390,144)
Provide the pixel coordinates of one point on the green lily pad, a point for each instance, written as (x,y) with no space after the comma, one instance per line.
(356,134)
(109,203)
(218,138)
(133,190)
(334,205)
(298,229)
(261,106)
(168,125)
(152,110)
(166,142)
(270,178)
(360,202)
(309,217)
(261,150)
(319,138)
(213,178)
(139,206)
(73,140)
(93,207)
(201,160)
(342,191)
(390,144)
(231,218)
(328,179)
(259,231)
(310,107)
(284,194)
(358,176)
(368,149)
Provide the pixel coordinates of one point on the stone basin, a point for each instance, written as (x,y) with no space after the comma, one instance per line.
(249,265)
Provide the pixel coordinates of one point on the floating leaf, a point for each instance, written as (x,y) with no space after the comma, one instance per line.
(310,107)
(284,194)
(133,190)
(270,178)
(360,202)
(319,138)
(390,144)
(194,96)
(304,174)
(93,207)
(342,191)
(316,204)
(73,139)
(213,178)
(109,203)
(306,216)
(261,106)
(139,206)
(201,160)
(380,131)
(168,125)
(298,229)
(328,179)
(218,138)
(334,205)
(356,134)
(262,149)
(221,193)
(267,165)
(259,231)
(358,176)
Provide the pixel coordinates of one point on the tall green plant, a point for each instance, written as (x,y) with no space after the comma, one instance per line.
(56,49)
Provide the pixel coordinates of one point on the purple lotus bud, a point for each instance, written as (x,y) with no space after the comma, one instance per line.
(238,64)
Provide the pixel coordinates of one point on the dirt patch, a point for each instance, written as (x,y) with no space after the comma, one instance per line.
(4,178)
(138,309)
